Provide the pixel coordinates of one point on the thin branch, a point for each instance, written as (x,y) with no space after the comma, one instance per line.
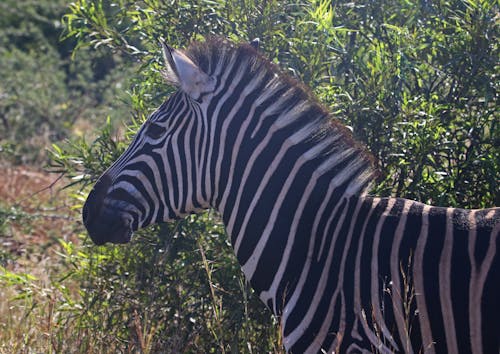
(18,203)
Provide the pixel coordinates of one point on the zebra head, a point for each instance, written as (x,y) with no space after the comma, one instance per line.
(136,190)
(234,117)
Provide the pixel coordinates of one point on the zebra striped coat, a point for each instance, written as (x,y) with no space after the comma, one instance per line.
(344,271)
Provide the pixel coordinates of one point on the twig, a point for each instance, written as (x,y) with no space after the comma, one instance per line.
(18,203)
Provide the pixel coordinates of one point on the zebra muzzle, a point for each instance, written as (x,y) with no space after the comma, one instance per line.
(105,224)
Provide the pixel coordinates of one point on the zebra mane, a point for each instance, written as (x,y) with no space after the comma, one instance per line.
(216,52)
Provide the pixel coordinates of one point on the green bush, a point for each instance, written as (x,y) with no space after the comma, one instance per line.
(417,82)
(177,288)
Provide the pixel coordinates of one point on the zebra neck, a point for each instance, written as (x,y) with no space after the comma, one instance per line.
(275,212)
(273,175)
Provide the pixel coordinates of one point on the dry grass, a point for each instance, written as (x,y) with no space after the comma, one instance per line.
(36,214)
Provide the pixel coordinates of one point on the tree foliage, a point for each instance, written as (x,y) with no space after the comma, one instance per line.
(421,89)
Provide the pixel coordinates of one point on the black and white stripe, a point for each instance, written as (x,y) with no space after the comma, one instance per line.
(346,272)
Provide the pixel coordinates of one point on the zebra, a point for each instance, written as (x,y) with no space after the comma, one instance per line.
(344,271)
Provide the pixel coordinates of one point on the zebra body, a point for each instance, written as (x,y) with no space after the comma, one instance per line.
(344,271)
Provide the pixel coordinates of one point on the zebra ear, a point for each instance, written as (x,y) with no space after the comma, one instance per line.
(180,71)
(255,43)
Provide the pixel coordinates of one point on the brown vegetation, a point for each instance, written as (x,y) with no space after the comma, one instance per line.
(39,197)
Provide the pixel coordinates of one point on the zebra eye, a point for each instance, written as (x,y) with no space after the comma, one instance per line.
(155,131)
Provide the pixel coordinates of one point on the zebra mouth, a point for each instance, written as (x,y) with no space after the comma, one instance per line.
(111,229)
